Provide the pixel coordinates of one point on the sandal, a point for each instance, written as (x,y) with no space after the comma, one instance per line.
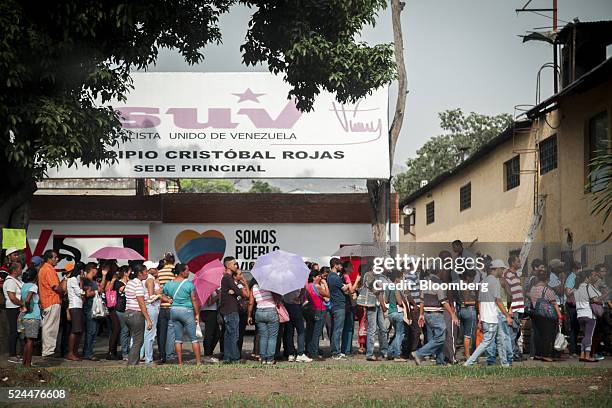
(587,360)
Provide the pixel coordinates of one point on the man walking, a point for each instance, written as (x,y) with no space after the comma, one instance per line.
(50,301)
(491,306)
(512,284)
(434,302)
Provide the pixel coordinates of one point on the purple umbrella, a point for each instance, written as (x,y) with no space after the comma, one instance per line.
(208,279)
(280,272)
(117,253)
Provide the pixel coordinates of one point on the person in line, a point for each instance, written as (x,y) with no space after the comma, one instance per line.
(185,311)
(12,294)
(412,331)
(136,315)
(229,309)
(397,304)
(545,315)
(504,329)
(74,289)
(324,271)
(243,306)
(536,266)
(91,288)
(491,307)
(30,313)
(603,328)
(119,285)
(153,294)
(293,303)
(512,284)
(585,294)
(570,307)
(349,316)
(376,308)
(212,331)
(165,331)
(266,318)
(50,292)
(468,313)
(317,291)
(337,293)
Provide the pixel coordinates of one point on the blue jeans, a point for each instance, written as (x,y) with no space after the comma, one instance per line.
(230,338)
(515,331)
(490,333)
(319,322)
(435,343)
(267,327)
(91,331)
(347,330)
(506,341)
(468,319)
(395,348)
(338,315)
(376,320)
(146,350)
(124,336)
(296,322)
(183,321)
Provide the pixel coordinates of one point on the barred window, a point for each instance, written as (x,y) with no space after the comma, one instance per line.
(465,197)
(548,154)
(598,144)
(430,212)
(512,173)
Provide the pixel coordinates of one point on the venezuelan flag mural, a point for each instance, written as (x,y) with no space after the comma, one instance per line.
(196,250)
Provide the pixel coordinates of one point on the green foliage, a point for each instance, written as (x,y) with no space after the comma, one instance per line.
(259,186)
(207,186)
(61,62)
(600,183)
(463,136)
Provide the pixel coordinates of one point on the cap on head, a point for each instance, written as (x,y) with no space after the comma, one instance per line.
(36,260)
(556,263)
(11,251)
(150,264)
(498,263)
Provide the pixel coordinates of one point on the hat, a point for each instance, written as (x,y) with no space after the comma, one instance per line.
(69,267)
(11,251)
(150,264)
(556,263)
(498,263)
(36,260)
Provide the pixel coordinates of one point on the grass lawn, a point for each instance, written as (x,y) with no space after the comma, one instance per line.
(323,384)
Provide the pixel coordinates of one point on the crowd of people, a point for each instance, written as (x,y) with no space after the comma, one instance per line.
(149,308)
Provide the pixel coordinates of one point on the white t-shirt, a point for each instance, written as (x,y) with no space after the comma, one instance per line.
(12,285)
(488,305)
(583,294)
(75,301)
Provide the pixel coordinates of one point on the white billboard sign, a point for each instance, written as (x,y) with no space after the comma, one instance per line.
(241,125)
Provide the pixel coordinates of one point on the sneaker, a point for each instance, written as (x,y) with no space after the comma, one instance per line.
(417,360)
(598,357)
(14,360)
(291,358)
(373,358)
(211,360)
(399,359)
(342,355)
(303,358)
(337,357)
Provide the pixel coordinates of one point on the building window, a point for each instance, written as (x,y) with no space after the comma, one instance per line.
(430,212)
(548,154)
(512,173)
(465,197)
(598,143)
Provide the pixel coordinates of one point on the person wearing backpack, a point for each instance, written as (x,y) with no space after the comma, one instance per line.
(545,315)
(91,288)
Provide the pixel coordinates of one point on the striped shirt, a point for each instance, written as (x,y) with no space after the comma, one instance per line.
(412,282)
(133,289)
(517,301)
(165,275)
(263,297)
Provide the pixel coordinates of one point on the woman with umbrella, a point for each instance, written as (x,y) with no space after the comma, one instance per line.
(267,321)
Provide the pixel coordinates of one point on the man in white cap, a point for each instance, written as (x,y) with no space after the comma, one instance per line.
(491,305)
(13,255)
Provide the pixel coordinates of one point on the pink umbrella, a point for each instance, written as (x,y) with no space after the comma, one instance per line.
(117,253)
(208,279)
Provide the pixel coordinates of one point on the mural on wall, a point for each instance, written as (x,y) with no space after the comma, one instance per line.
(77,247)
(196,250)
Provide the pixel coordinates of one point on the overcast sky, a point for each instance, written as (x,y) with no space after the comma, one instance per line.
(459,54)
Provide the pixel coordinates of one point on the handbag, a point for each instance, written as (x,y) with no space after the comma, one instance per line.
(199,334)
(544,308)
(98,309)
(283,315)
(560,341)
(307,307)
(596,308)
(111,298)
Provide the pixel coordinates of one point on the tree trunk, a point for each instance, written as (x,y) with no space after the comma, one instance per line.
(16,191)
(378,190)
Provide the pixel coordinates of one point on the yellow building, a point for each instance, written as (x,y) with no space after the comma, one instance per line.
(490,199)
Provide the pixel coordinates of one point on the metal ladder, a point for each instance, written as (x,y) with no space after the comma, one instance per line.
(533,227)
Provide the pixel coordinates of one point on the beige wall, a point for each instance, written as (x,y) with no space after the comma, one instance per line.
(504,216)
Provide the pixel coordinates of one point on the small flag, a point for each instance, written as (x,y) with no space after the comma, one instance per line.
(13,238)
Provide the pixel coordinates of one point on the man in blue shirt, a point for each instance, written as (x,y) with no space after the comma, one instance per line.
(337,291)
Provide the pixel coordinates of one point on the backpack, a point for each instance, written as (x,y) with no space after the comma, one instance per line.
(544,308)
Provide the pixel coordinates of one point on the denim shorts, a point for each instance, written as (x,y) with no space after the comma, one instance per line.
(31,327)
(184,322)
